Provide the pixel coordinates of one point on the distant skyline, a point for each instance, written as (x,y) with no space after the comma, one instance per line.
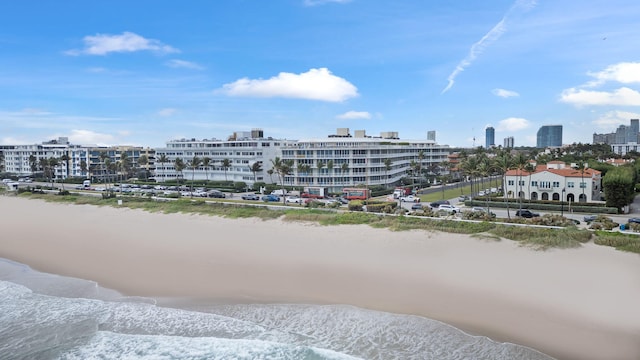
(147,72)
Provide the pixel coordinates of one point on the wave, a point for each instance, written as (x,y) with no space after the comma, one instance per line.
(40,320)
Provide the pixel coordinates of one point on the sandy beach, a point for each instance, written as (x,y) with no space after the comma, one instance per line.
(571,304)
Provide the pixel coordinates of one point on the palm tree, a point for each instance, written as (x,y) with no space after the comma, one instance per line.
(206,164)
(320,165)
(530,169)
(282,168)
(305,169)
(194,164)
(53,162)
(163,159)
(226,164)
(179,165)
(484,168)
(83,166)
(504,163)
(2,162)
(330,168)
(255,168)
(103,159)
(66,159)
(125,165)
(419,166)
(387,166)
(520,162)
(270,173)
(143,160)
(344,167)
(582,169)
(33,163)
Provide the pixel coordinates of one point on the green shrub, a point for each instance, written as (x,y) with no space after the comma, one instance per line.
(620,241)
(355,205)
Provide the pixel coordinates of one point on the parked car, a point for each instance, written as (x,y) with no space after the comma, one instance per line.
(483,210)
(250,197)
(634,220)
(343,200)
(416,206)
(410,198)
(293,199)
(437,203)
(216,194)
(270,197)
(526,214)
(590,218)
(449,208)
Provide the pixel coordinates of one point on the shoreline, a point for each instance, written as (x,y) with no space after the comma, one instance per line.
(571,303)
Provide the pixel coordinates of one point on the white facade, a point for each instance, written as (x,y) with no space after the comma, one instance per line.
(17,158)
(241,153)
(555,181)
(338,162)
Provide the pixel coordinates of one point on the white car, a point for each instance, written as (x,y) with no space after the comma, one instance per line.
(449,208)
(294,199)
(409,198)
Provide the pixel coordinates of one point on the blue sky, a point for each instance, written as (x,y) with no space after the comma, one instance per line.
(144,72)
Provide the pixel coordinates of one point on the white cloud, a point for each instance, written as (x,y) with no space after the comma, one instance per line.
(352,115)
(489,38)
(315,84)
(102,44)
(175,63)
(89,137)
(611,120)
(625,73)
(322,2)
(504,93)
(166,112)
(579,97)
(513,124)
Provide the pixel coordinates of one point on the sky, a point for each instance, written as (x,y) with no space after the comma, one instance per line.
(146,72)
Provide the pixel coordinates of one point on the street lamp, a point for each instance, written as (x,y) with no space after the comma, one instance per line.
(562,202)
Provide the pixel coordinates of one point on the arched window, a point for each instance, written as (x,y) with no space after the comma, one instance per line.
(534,196)
(582,198)
(545,196)
(556,196)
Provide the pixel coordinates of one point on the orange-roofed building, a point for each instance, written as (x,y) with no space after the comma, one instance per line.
(555,180)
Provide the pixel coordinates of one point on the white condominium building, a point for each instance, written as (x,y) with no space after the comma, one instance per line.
(229,160)
(342,161)
(24,160)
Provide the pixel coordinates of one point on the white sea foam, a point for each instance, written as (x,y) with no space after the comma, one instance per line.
(44,325)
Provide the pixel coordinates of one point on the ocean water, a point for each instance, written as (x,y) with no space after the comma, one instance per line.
(45,316)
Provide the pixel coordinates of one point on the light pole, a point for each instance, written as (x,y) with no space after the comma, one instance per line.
(562,202)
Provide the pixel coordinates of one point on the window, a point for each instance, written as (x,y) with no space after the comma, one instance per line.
(583,185)
(556,184)
(510,182)
(570,184)
(534,183)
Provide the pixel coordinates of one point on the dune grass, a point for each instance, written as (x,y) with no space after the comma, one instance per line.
(533,237)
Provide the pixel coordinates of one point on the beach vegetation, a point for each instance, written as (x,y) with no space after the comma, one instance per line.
(620,241)
(543,238)
(534,237)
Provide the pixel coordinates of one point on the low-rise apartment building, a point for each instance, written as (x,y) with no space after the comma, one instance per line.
(341,160)
(229,160)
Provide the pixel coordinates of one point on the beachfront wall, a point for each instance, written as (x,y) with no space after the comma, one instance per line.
(338,162)
(555,181)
